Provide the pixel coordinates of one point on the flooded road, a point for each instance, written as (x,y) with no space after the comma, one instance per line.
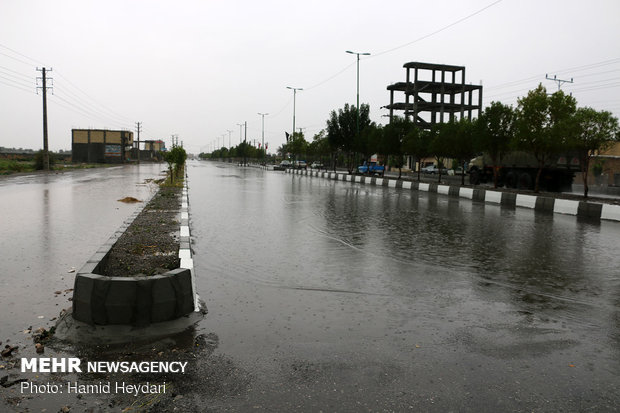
(336,296)
(52,224)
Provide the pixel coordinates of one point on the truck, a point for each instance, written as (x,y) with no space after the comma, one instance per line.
(371,168)
(518,170)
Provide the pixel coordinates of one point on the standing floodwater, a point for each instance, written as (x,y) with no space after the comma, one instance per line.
(51,225)
(336,296)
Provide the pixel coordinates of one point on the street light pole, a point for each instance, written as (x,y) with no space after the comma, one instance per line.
(262,115)
(294,89)
(240,129)
(358,88)
(229,132)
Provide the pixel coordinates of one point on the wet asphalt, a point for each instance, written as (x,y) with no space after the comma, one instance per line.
(334,296)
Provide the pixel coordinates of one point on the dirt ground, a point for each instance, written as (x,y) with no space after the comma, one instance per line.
(150,245)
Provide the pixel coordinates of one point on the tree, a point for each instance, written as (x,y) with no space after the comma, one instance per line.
(417,143)
(591,131)
(458,142)
(319,147)
(540,125)
(495,131)
(297,145)
(393,136)
(177,157)
(342,130)
(439,145)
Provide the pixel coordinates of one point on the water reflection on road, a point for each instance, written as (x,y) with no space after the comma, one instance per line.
(332,289)
(52,223)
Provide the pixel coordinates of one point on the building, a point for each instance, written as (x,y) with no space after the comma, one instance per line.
(154,146)
(434,92)
(101,145)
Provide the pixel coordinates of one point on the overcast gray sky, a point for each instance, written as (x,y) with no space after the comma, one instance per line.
(199,68)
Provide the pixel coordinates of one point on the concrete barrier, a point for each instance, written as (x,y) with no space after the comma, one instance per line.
(539,203)
(443,189)
(494,197)
(466,193)
(565,206)
(526,201)
(137,300)
(611,212)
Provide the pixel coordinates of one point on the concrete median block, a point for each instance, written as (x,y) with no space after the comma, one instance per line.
(443,189)
(407,184)
(423,186)
(493,197)
(544,203)
(454,190)
(120,300)
(378,181)
(509,199)
(466,193)
(566,206)
(525,201)
(479,194)
(589,210)
(610,212)
(163,298)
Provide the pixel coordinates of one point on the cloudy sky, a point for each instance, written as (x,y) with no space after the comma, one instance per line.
(197,69)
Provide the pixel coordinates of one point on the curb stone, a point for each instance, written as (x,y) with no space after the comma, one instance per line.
(584,209)
(140,300)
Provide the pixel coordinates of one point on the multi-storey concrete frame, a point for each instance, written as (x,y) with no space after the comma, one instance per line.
(440,95)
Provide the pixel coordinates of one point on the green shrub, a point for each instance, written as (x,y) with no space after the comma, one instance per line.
(39,163)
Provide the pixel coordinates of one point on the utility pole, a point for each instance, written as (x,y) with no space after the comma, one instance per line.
(46,154)
(559,81)
(240,128)
(138,129)
(294,89)
(245,149)
(263,134)
(358,89)
(229,132)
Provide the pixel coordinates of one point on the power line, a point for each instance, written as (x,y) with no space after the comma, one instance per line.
(18,82)
(14,73)
(36,62)
(436,31)
(93,99)
(17,87)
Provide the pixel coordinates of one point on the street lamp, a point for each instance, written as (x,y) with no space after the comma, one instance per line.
(229,132)
(263,134)
(240,129)
(294,89)
(358,88)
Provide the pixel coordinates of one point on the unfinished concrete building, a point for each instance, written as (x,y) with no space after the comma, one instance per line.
(434,94)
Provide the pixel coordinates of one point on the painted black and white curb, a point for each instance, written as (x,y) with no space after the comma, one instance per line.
(185,250)
(593,210)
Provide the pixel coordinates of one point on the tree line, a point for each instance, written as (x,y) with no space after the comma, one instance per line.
(542,125)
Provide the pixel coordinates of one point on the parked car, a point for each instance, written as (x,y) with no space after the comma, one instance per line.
(282,166)
(371,169)
(456,172)
(300,165)
(433,169)
(316,165)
